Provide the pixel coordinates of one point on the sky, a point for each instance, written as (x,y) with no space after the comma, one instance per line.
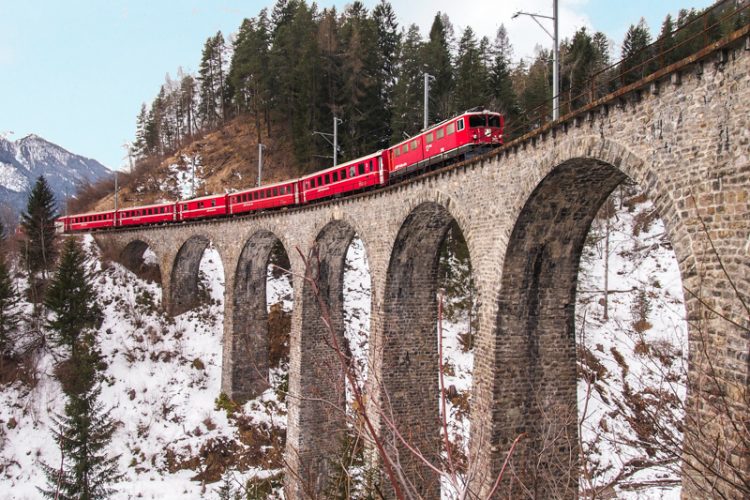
(77,71)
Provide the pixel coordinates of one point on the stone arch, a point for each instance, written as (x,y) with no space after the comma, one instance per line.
(408,378)
(133,257)
(184,277)
(535,369)
(249,342)
(535,350)
(322,405)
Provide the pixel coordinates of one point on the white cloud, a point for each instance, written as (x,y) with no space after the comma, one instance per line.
(486,16)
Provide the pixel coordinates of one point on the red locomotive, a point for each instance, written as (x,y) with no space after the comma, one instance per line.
(460,137)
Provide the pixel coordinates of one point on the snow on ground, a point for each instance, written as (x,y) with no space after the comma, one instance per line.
(641,349)
(357,286)
(162,380)
(185,178)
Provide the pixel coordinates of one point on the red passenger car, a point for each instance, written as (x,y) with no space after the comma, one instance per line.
(150,214)
(199,208)
(345,178)
(263,198)
(462,135)
(89,221)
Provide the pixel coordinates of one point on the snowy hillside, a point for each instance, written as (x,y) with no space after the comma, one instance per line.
(23,161)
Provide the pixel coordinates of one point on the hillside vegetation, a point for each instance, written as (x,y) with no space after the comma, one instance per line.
(286,73)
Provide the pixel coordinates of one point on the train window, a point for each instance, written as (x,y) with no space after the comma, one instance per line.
(184,207)
(477,121)
(268,193)
(328,178)
(413,145)
(493,121)
(275,191)
(460,124)
(440,133)
(397,152)
(213,203)
(428,138)
(361,168)
(343,174)
(404,148)
(352,171)
(336,176)
(450,128)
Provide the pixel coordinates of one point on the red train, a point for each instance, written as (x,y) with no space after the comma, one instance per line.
(463,136)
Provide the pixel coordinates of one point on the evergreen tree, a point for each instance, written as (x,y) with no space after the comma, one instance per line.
(437,61)
(83,433)
(537,92)
(502,95)
(38,224)
(247,78)
(388,43)
(71,299)
(140,146)
(9,314)
(666,41)
(635,53)
(406,118)
(577,68)
(213,92)
(471,77)
(85,430)
(363,120)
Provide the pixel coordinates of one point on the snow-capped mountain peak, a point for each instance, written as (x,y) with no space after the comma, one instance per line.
(24,160)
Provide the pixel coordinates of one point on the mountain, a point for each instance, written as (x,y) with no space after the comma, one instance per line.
(23,161)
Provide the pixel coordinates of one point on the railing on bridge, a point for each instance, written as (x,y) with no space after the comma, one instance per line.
(693,34)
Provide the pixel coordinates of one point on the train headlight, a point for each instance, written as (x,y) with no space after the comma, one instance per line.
(487,132)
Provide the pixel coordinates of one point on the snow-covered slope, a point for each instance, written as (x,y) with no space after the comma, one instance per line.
(23,161)
(162,380)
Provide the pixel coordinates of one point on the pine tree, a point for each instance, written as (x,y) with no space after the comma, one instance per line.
(407,94)
(85,430)
(83,434)
(9,315)
(579,57)
(502,95)
(667,42)
(471,77)
(389,41)
(247,79)
(212,85)
(71,299)
(635,53)
(437,59)
(40,244)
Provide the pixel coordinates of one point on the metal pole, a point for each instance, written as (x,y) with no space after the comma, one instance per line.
(427,78)
(260,162)
(336,122)
(555,65)
(192,162)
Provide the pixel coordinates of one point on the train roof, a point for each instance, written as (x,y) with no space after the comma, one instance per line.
(86,214)
(344,164)
(275,184)
(122,209)
(206,197)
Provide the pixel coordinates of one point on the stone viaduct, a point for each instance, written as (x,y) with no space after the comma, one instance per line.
(524,210)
